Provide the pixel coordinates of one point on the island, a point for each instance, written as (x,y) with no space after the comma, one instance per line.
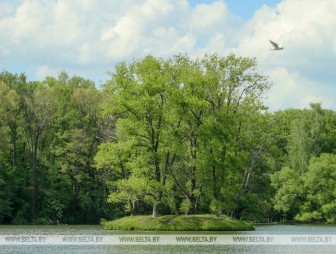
(201,222)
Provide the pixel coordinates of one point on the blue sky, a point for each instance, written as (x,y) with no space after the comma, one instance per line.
(88,37)
(242,8)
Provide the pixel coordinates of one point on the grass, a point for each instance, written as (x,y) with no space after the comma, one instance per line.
(178,223)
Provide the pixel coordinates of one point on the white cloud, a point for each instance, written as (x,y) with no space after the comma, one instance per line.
(142,27)
(303,70)
(88,37)
(206,16)
(291,89)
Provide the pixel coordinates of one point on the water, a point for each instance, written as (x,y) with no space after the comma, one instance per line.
(211,249)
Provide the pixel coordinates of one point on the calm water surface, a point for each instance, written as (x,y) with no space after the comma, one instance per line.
(98,230)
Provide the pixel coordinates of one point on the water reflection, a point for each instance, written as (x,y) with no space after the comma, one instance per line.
(167,249)
(261,229)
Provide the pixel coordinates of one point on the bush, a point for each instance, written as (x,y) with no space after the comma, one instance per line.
(309,217)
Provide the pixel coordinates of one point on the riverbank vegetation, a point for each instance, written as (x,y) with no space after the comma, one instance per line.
(178,223)
(170,136)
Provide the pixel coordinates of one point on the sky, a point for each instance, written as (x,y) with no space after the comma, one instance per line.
(89,37)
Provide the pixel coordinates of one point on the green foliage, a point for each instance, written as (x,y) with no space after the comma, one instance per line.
(48,139)
(311,194)
(314,216)
(164,136)
(303,186)
(185,206)
(289,187)
(185,122)
(129,190)
(320,185)
(216,207)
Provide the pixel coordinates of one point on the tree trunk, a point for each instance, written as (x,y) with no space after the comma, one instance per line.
(214,179)
(14,139)
(155,211)
(133,207)
(159,192)
(34,177)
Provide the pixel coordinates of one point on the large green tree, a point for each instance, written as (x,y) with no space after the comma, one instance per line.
(139,102)
(184,128)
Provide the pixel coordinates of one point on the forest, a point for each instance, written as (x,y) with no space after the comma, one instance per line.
(162,136)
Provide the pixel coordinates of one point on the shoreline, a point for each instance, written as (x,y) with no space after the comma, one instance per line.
(204,222)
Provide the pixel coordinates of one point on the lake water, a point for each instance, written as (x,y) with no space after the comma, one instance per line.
(183,249)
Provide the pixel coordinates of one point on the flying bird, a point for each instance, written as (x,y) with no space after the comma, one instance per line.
(275,46)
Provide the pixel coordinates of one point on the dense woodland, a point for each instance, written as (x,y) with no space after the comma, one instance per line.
(162,136)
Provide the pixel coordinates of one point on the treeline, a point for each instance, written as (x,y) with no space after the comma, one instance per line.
(49,134)
(162,136)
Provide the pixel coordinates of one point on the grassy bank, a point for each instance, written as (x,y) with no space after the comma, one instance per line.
(178,223)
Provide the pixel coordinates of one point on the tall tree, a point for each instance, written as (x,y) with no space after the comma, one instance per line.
(138,95)
(39,115)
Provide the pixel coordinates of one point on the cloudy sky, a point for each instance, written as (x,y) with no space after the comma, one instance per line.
(88,37)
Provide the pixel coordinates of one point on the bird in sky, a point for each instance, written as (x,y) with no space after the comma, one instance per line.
(275,46)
